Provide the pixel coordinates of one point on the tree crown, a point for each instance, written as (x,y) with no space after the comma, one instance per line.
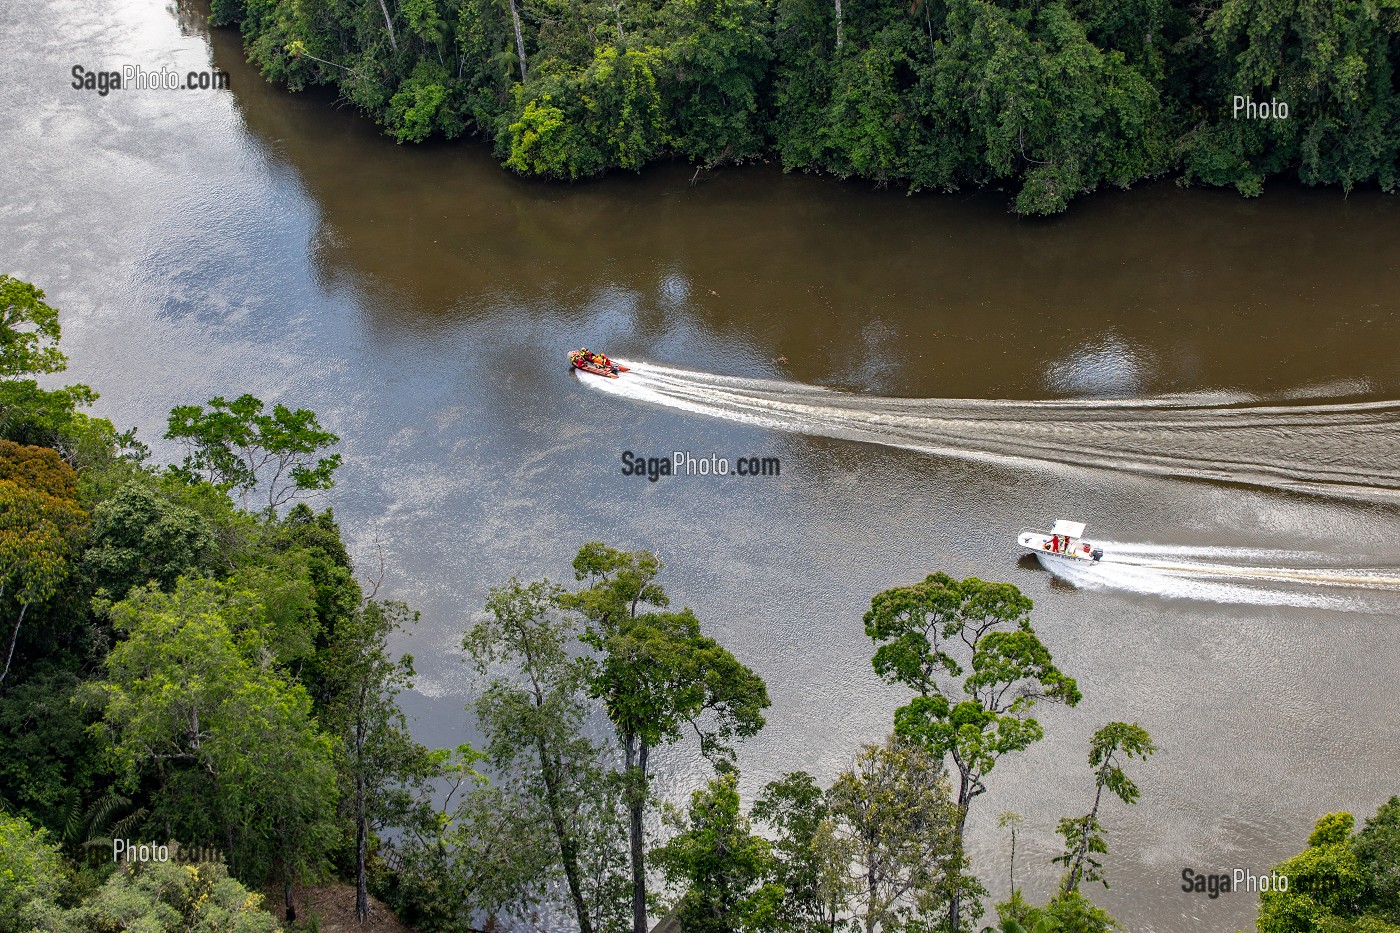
(29,332)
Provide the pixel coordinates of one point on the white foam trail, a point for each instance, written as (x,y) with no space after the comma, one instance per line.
(1153,582)
(1209,551)
(1161,570)
(1368,579)
(1347,450)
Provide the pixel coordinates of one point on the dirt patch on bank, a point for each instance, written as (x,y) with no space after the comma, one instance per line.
(333,905)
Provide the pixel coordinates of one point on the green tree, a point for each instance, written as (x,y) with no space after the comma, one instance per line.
(547,140)
(50,418)
(307,545)
(29,331)
(1017,915)
(892,811)
(718,67)
(480,850)
(32,876)
(379,761)
(1075,913)
(721,866)
(29,335)
(532,710)
(188,699)
(1067,913)
(1108,749)
(165,897)
(932,633)
(813,865)
(1325,882)
(624,105)
(1377,848)
(51,767)
(238,446)
(140,536)
(1340,881)
(421,106)
(39,535)
(658,677)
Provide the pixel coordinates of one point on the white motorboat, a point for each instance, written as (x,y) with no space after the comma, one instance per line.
(1063,543)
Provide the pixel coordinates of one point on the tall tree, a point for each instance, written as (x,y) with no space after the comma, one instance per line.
(308,544)
(894,811)
(1012,820)
(533,710)
(389,25)
(473,849)
(380,760)
(239,446)
(658,678)
(1109,747)
(932,633)
(519,39)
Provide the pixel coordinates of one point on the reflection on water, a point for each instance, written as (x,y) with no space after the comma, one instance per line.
(420,300)
(1106,367)
(1154,291)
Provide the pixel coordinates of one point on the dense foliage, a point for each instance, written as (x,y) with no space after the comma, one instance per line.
(173,667)
(1343,881)
(1049,100)
(154,897)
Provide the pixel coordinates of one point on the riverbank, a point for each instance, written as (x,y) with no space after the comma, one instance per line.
(1047,101)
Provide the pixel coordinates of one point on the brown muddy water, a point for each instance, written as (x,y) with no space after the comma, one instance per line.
(1205,380)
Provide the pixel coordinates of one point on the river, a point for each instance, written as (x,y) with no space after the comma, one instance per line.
(1207,381)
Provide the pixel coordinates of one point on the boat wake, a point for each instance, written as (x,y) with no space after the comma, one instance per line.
(1229,575)
(1347,450)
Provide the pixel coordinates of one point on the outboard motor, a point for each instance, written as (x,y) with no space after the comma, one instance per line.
(1096,554)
